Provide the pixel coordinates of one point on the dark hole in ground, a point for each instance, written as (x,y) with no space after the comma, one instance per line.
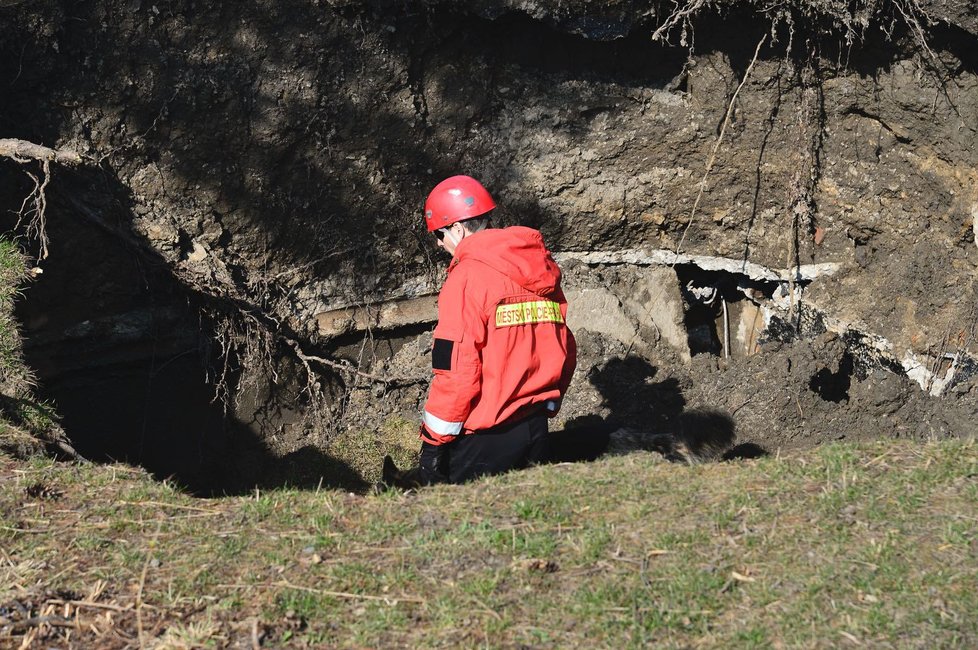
(120,348)
(713,301)
(158,415)
(834,386)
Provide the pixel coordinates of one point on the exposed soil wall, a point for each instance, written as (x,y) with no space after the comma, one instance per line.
(253,166)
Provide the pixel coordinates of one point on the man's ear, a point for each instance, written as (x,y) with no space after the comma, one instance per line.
(451,236)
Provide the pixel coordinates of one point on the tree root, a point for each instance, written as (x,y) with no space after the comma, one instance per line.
(24,153)
(348,368)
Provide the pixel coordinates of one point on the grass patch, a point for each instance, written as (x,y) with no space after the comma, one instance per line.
(27,426)
(12,275)
(872,544)
(363,450)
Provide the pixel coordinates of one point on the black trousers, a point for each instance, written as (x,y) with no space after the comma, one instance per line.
(493,451)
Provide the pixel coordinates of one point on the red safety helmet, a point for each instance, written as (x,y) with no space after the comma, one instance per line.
(456,199)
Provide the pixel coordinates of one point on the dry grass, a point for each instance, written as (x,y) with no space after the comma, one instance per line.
(873,545)
(364,453)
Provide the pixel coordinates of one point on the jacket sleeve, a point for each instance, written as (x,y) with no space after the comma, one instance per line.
(570,363)
(456,360)
(570,358)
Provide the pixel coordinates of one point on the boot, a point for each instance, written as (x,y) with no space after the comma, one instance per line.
(391,477)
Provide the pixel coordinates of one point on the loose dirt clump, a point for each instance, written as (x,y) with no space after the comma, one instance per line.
(809,392)
(789,395)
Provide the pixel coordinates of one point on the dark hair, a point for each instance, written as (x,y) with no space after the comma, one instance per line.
(476,224)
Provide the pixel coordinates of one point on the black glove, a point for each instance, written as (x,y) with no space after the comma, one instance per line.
(434,463)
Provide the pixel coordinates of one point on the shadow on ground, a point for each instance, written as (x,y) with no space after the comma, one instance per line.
(647,415)
(130,359)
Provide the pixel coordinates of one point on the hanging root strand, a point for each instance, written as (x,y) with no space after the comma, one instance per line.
(34,207)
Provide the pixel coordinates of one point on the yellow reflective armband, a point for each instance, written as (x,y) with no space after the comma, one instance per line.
(524,313)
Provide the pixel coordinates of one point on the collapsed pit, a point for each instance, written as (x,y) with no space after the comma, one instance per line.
(281,176)
(135,386)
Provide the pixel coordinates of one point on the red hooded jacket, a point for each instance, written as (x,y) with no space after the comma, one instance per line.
(502,349)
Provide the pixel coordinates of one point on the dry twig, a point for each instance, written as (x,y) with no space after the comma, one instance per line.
(35,621)
(142,583)
(325,592)
(82,604)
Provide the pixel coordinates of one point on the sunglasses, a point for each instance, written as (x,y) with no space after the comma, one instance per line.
(440,233)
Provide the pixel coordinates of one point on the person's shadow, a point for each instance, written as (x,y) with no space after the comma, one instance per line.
(647,415)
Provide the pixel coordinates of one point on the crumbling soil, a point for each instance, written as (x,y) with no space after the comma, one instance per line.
(788,395)
(251,166)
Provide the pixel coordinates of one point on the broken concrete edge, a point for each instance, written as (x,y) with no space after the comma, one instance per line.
(936,383)
(783,301)
(402,312)
(663,257)
(420,308)
(388,315)
(877,352)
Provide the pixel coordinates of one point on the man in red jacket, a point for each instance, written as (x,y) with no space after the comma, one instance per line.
(502,355)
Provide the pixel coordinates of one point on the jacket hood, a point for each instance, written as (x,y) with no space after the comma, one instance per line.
(517,252)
